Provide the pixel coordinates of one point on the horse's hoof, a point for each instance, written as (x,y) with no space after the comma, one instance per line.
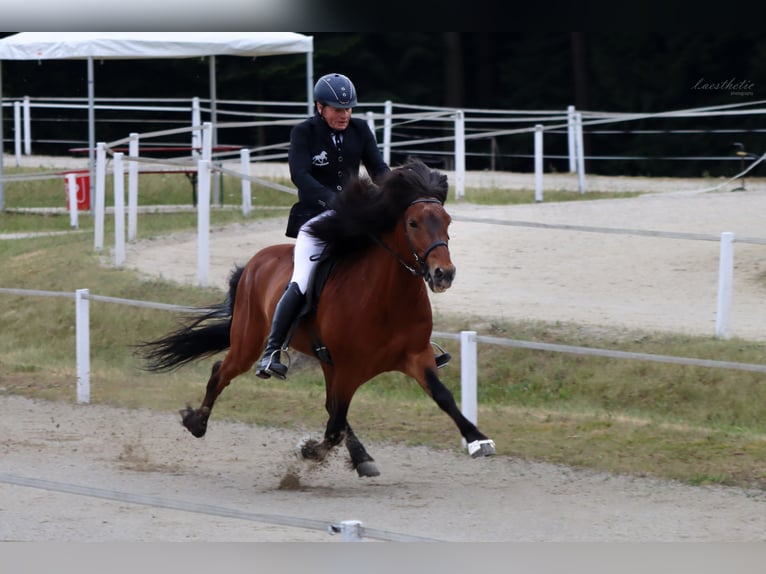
(479,448)
(194,422)
(305,447)
(367,468)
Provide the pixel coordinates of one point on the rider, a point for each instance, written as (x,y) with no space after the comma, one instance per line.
(325,152)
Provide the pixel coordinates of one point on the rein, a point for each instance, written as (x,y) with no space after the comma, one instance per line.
(421,261)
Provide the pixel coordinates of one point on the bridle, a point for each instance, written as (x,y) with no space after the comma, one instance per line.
(420,260)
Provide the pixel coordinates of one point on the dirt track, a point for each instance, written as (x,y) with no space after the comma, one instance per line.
(598,280)
(421,493)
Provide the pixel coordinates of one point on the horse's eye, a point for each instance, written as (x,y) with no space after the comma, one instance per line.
(412,223)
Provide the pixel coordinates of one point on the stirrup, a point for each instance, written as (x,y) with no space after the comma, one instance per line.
(266,372)
(443,357)
(442,360)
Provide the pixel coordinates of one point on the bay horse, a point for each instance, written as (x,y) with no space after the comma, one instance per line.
(386,243)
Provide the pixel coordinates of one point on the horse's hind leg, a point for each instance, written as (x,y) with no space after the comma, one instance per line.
(221,375)
(195,420)
(361,461)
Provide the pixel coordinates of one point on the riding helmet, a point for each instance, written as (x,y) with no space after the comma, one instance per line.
(335,90)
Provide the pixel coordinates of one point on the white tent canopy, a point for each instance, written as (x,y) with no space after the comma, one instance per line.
(142,45)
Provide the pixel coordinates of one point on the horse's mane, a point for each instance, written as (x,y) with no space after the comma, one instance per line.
(364,210)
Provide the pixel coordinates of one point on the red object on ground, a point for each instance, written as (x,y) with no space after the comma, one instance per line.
(82,189)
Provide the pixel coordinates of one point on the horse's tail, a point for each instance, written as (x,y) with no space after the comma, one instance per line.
(203,336)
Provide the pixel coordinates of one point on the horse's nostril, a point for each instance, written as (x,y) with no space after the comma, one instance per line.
(443,275)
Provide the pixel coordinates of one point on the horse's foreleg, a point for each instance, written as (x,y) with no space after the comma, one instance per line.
(361,461)
(478,443)
(335,432)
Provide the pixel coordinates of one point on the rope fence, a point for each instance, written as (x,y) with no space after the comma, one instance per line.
(350,530)
(478,122)
(83,296)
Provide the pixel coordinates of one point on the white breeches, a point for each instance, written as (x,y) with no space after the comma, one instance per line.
(306,253)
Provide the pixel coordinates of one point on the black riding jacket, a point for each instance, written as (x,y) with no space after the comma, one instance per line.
(320,170)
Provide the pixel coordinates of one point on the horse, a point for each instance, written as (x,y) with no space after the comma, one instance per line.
(385,243)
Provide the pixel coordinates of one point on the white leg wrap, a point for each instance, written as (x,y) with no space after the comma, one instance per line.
(479,448)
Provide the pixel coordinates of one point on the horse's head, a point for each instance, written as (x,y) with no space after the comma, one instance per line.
(404,215)
(425,229)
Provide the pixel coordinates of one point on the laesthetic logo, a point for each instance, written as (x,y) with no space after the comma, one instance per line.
(733,86)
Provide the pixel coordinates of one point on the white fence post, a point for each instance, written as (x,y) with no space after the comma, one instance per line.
(371,123)
(725,278)
(350,530)
(468,370)
(82,330)
(71,190)
(580,153)
(571,139)
(27,127)
(207,141)
(244,158)
(119,210)
(388,112)
(196,142)
(203,222)
(208,136)
(538,163)
(100,200)
(18,132)
(133,188)
(459,154)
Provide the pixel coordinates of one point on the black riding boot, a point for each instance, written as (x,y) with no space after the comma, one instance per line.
(284,315)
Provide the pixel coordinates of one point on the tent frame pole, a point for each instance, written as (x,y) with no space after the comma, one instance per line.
(91,125)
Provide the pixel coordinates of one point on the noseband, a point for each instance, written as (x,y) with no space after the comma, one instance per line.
(421,261)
